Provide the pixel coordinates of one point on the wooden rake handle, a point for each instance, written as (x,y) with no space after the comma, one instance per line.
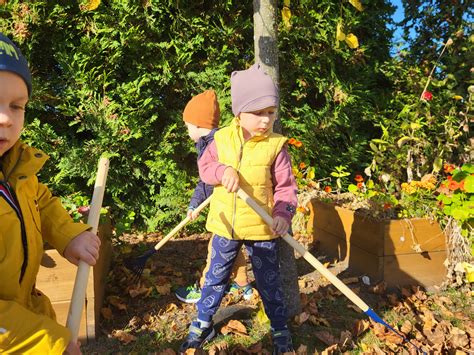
(305,254)
(181,225)
(82,276)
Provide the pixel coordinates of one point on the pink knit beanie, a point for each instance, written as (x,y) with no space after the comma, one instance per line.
(252,90)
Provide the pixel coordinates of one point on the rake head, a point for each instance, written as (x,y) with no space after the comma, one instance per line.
(137,265)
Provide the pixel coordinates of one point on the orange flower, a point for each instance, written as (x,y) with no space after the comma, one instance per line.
(298,144)
(327,189)
(359,178)
(453,185)
(302,165)
(291,141)
(448,168)
(360,185)
(387,206)
(301,209)
(461,185)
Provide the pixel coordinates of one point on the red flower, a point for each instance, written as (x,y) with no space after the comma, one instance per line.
(387,206)
(291,141)
(327,189)
(359,178)
(298,144)
(360,185)
(428,96)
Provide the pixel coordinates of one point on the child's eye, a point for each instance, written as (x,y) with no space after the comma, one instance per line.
(17,107)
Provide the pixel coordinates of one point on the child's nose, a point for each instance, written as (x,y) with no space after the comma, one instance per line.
(5,119)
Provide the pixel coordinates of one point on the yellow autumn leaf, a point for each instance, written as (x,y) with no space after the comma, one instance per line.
(357,4)
(92,5)
(457,97)
(286,16)
(352,41)
(340,36)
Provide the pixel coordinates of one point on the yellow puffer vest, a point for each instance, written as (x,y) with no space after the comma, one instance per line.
(230,216)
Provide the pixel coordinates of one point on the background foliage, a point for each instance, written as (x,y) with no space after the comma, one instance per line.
(114,77)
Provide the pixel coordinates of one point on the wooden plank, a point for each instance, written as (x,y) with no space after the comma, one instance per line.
(362,262)
(331,245)
(401,235)
(426,269)
(363,232)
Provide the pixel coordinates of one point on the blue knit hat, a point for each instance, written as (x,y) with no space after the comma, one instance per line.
(12,60)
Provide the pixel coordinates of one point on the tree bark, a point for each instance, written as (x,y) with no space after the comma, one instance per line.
(266,53)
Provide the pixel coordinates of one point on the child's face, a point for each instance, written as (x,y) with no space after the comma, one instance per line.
(258,122)
(196,132)
(13,99)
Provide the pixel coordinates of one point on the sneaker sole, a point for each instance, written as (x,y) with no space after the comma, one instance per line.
(185,300)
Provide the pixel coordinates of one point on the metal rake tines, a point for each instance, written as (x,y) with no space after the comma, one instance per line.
(137,265)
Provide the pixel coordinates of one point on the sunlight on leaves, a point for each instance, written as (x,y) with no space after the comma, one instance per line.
(357,4)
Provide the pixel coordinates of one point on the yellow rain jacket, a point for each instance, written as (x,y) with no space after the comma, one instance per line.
(27,319)
(230,216)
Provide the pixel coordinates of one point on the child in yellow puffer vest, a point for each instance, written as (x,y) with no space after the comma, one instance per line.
(29,217)
(249,155)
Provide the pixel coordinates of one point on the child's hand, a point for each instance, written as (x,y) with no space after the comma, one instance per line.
(280,226)
(83,247)
(230,179)
(193,214)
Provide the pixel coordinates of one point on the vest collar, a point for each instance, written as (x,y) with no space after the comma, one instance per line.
(236,126)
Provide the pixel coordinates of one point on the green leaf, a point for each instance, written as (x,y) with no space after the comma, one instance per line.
(352,188)
(469,184)
(468,168)
(403,140)
(437,164)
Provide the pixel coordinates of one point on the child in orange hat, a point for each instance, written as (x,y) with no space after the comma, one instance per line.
(201,116)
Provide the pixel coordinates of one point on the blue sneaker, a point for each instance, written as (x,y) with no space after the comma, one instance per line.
(189,294)
(246,290)
(282,342)
(197,337)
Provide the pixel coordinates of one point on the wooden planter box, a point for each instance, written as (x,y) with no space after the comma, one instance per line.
(56,279)
(381,249)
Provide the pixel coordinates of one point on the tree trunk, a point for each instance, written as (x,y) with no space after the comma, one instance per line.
(266,53)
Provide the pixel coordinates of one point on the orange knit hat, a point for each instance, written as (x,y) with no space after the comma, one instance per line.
(203,110)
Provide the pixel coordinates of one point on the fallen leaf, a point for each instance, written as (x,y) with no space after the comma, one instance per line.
(140,291)
(301,318)
(167,351)
(134,322)
(117,302)
(360,326)
(302,350)
(393,299)
(326,337)
(123,336)
(406,327)
(379,289)
(163,289)
(235,327)
(329,350)
(302,283)
(106,313)
(319,321)
(458,338)
(344,338)
(218,348)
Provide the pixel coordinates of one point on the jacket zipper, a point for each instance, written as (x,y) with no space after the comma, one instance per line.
(235,195)
(19,214)
(24,240)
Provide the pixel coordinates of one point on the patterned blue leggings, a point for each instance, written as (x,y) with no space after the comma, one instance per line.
(266,268)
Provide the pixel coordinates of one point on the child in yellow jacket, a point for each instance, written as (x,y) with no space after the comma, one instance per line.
(248,155)
(29,217)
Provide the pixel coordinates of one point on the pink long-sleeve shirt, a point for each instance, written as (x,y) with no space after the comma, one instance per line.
(284,183)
